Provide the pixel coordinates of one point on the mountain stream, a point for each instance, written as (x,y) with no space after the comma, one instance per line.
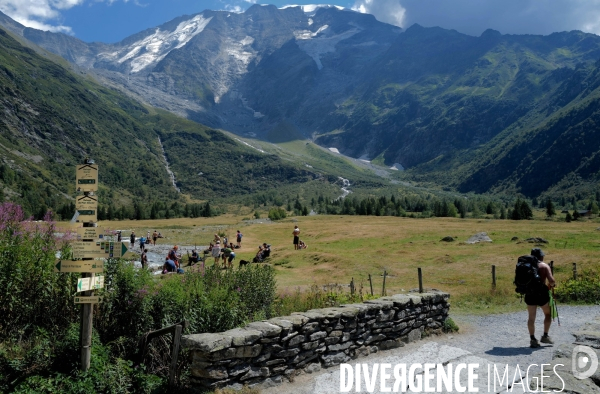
(171,175)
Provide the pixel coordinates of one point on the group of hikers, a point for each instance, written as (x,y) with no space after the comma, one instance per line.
(533,277)
(220,249)
(143,241)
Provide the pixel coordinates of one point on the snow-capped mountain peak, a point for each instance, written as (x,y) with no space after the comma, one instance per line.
(154,47)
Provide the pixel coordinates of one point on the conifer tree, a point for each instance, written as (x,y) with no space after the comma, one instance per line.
(550,208)
(568,218)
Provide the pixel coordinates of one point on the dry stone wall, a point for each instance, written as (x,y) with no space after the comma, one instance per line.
(270,351)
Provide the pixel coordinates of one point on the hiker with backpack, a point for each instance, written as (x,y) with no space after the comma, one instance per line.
(533,279)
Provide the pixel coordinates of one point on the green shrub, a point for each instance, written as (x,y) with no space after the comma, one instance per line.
(277,213)
(31,294)
(450,326)
(213,301)
(39,323)
(586,289)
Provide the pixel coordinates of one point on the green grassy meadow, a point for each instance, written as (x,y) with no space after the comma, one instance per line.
(344,247)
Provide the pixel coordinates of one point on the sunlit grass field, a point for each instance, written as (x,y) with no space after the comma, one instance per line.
(344,247)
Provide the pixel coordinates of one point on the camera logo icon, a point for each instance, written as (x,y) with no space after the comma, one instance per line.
(584,362)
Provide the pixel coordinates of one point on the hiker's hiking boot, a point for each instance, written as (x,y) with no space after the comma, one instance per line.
(534,343)
(546,339)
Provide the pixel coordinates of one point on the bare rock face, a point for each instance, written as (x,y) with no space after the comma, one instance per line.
(479,237)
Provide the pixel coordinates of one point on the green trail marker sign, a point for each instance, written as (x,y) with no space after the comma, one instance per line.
(88,300)
(94,283)
(86,178)
(79,266)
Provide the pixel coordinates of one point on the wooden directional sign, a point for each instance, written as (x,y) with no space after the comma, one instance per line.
(85,284)
(87,206)
(79,266)
(88,300)
(87,178)
(82,250)
(118,249)
(90,233)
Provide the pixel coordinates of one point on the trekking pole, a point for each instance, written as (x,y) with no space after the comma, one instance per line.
(555,307)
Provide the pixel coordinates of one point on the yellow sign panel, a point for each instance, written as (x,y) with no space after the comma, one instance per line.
(88,300)
(98,249)
(86,202)
(79,266)
(90,233)
(87,178)
(82,250)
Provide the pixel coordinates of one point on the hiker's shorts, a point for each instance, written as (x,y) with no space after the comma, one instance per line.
(540,298)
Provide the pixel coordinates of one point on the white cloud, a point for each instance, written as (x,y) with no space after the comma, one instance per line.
(37,13)
(475,16)
(388,11)
(234,8)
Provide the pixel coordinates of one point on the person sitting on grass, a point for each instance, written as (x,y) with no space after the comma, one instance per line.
(301,244)
(266,251)
(194,258)
(259,255)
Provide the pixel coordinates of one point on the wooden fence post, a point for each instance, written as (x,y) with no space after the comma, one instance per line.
(420,280)
(174,354)
(494,276)
(371,284)
(352,287)
(574,271)
(383,289)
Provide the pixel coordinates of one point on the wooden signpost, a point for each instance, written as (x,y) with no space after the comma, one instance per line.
(87,177)
(93,245)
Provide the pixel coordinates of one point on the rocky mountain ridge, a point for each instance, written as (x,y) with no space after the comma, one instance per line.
(431,100)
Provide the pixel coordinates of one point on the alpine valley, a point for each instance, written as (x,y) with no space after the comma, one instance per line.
(498,114)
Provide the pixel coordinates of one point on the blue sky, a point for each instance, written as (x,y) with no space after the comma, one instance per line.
(113,20)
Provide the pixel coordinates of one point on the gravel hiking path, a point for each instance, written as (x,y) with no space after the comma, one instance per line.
(499,339)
